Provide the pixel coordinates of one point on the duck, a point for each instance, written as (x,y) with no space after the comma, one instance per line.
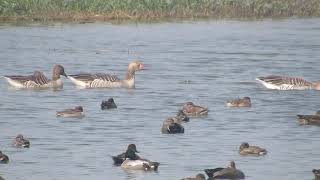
(110,104)
(199,176)
(21,142)
(4,159)
(191,109)
(246,149)
(240,102)
(225,173)
(38,80)
(287,83)
(118,160)
(77,112)
(103,80)
(309,119)
(171,127)
(134,162)
(316,173)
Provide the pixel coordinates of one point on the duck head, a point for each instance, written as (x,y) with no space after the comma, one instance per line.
(108,104)
(244,146)
(182,116)
(20,141)
(131,152)
(192,109)
(57,71)
(79,108)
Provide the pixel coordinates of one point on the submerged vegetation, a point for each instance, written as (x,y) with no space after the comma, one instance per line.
(153,9)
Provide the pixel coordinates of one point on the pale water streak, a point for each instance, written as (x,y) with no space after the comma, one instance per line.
(206,62)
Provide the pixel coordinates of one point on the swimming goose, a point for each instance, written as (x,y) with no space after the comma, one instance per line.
(102,80)
(20,141)
(118,160)
(287,83)
(171,127)
(110,104)
(134,162)
(246,149)
(309,119)
(4,159)
(198,177)
(316,173)
(191,109)
(241,102)
(225,173)
(38,80)
(77,112)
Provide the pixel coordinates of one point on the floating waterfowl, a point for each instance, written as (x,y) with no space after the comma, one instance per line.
(4,159)
(38,80)
(21,142)
(225,173)
(134,162)
(246,149)
(241,102)
(287,83)
(316,173)
(102,80)
(191,109)
(110,104)
(118,160)
(77,112)
(171,127)
(309,119)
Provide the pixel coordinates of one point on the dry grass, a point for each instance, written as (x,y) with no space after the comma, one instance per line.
(77,10)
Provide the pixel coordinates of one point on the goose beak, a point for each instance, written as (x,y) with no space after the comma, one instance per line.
(141,67)
(65,75)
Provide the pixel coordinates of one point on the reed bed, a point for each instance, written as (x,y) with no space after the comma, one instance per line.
(153,9)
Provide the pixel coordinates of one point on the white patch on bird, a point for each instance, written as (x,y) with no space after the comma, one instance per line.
(14,83)
(77,82)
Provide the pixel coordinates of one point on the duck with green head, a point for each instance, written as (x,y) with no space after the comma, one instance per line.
(134,162)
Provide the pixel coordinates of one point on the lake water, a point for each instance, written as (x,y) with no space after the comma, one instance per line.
(207,62)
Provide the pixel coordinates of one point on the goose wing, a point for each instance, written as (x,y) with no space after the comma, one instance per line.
(280,80)
(87,78)
(37,78)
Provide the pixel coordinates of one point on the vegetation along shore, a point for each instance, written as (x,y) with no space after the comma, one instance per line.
(78,10)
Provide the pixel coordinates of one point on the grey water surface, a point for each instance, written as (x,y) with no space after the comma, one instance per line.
(207,62)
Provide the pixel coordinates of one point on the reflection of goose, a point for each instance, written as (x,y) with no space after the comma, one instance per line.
(38,79)
(134,162)
(309,119)
(20,141)
(225,173)
(77,112)
(102,80)
(246,149)
(287,83)
(198,177)
(241,102)
(191,109)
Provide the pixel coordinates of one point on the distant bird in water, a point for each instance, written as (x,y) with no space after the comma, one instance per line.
(316,173)
(198,177)
(110,104)
(77,112)
(4,159)
(309,119)
(118,160)
(241,102)
(287,83)
(246,149)
(38,80)
(171,127)
(225,173)
(191,109)
(20,141)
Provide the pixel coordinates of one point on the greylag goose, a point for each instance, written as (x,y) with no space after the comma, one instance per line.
(246,149)
(20,141)
(316,173)
(134,162)
(191,109)
(225,173)
(38,80)
(241,102)
(4,159)
(287,83)
(198,177)
(118,160)
(171,127)
(309,119)
(110,104)
(102,80)
(77,112)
